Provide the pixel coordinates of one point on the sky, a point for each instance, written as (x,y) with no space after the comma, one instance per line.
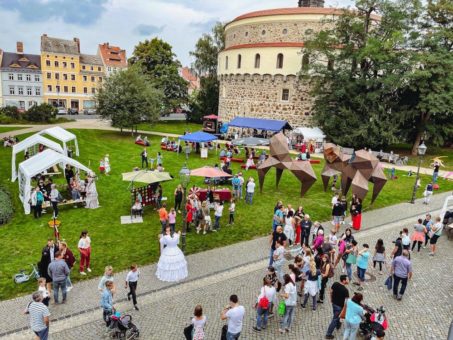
(123,23)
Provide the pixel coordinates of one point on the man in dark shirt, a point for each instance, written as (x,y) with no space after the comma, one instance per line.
(337,213)
(398,250)
(306,227)
(338,294)
(276,235)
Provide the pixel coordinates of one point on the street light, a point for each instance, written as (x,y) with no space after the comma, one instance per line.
(421,152)
(184,177)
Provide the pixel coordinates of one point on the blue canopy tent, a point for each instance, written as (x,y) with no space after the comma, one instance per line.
(260,124)
(199,137)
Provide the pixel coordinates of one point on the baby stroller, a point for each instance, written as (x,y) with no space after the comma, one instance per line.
(121,327)
(374,324)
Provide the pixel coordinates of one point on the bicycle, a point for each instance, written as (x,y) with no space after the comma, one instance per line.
(22,277)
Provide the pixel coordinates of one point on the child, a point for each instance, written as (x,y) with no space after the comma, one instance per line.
(101,166)
(159,158)
(379,255)
(131,280)
(172,219)
(232,209)
(42,288)
(333,242)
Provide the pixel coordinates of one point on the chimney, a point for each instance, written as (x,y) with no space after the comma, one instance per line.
(77,40)
(20,47)
(44,35)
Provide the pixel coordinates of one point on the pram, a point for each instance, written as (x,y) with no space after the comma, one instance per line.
(121,327)
(374,323)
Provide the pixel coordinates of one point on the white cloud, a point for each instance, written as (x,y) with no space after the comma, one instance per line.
(183,23)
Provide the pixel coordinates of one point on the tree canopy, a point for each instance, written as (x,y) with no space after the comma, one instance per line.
(157,61)
(127,98)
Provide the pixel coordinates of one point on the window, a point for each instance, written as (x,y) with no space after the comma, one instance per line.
(226,63)
(65,64)
(285,95)
(47,62)
(56,63)
(11,76)
(12,90)
(31,103)
(22,105)
(72,65)
(28,77)
(57,76)
(100,79)
(57,88)
(73,89)
(285,31)
(37,78)
(85,90)
(65,89)
(109,68)
(49,75)
(19,76)
(246,34)
(257,60)
(29,91)
(93,90)
(72,76)
(99,69)
(305,61)
(93,78)
(37,91)
(239,60)
(84,78)
(49,88)
(91,68)
(65,76)
(83,67)
(20,90)
(280,60)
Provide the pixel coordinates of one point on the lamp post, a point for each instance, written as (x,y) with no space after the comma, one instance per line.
(421,151)
(184,176)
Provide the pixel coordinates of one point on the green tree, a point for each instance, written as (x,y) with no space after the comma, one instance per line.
(358,67)
(41,113)
(207,49)
(127,98)
(157,61)
(11,112)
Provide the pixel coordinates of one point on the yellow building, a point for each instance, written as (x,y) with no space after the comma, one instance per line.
(70,78)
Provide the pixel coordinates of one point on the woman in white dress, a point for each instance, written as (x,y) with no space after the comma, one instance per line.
(289,227)
(91,201)
(107,164)
(172,265)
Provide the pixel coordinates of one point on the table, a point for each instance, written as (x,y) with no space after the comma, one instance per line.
(224,194)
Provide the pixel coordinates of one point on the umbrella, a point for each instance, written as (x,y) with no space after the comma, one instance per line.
(147,177)
(209,172)
(251,141)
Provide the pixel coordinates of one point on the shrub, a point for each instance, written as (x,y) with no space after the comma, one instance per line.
(6,206)
(11,112)
(41,113)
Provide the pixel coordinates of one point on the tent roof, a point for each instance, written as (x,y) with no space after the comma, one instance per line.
(59,133)
(211,117)
(45,160)
(310,133)
(198,137)
(36,139)
(251,141)
(260,124)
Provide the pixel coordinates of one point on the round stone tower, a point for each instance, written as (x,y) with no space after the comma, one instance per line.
(258,69)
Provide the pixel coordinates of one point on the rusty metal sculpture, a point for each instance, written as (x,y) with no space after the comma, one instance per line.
(280,159)
(356,170)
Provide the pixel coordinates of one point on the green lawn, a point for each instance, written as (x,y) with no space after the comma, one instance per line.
(121,245)
(431,152)
(10,128)
(177,127)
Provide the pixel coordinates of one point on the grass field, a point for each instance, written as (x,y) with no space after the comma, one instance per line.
(10,128)
(431,152)
(177,127)
(120,245)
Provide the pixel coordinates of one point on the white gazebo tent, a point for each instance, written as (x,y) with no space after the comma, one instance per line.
(309,134)
(29,143)
(38,164)
(62,135)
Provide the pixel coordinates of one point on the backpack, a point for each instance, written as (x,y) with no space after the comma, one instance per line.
(263,303)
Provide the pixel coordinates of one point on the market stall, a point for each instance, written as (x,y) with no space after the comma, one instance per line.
(63,136)
(308,136)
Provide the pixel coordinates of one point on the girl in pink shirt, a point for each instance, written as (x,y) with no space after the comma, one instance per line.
(172,219)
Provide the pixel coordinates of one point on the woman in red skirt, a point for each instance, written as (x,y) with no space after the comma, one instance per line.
(189,212)
(297,219)
(356,214)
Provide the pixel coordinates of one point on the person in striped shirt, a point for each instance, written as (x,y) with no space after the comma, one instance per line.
(39,316)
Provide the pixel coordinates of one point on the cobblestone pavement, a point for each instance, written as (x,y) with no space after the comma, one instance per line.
(163,315)
(215,274)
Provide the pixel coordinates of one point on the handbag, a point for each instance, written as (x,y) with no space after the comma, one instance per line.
(389,282)
(188,332)
(343,311)
(282,308)
(224,332)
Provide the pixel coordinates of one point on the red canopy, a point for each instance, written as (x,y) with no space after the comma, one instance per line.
(208,171)
(211,117)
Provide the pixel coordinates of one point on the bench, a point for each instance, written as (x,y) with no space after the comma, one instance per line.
(233,159)
(243,166)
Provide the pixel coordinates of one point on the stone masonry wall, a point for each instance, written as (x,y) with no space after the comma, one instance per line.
(261,97)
